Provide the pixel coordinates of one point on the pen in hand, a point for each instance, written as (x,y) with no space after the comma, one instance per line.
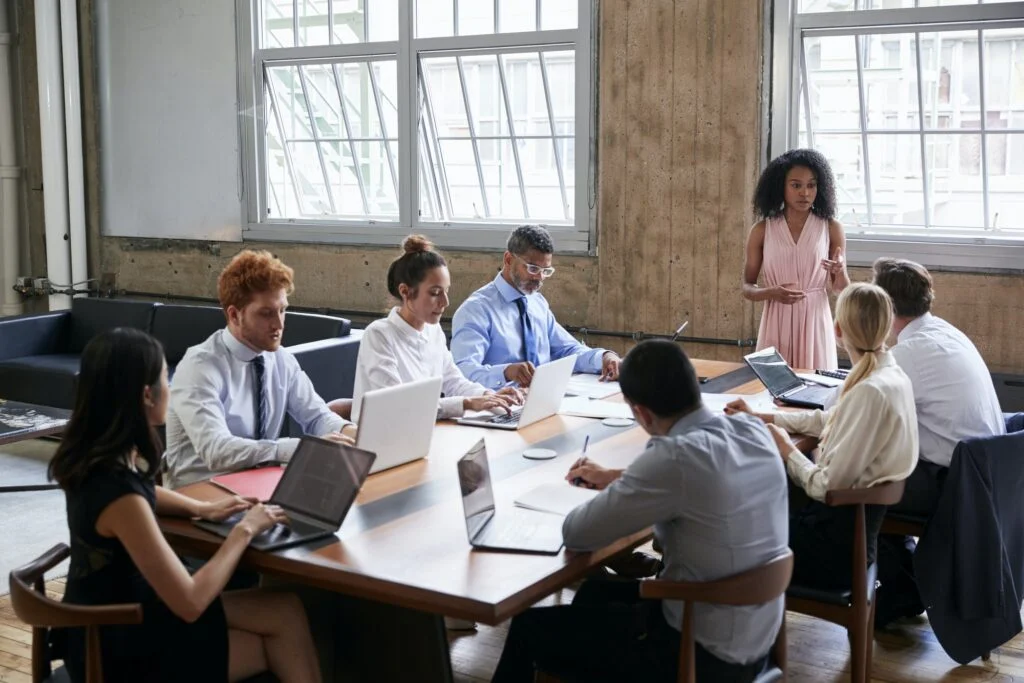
(578,481)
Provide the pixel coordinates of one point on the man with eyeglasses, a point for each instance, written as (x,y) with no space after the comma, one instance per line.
(505,329)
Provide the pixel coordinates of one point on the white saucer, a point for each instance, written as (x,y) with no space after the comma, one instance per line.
(539,453)
(617,422)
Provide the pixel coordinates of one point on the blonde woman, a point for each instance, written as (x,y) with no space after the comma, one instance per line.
(868,437)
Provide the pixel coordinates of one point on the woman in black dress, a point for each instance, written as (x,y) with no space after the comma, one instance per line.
(106,465)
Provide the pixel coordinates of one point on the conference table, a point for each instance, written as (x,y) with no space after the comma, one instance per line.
(401,560)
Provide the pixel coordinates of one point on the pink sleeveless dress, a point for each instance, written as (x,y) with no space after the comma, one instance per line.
(802,332)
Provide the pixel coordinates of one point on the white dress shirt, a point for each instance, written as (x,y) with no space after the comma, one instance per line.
(715,491)
(953,388)
(394,352)
(211,417)
(872,439)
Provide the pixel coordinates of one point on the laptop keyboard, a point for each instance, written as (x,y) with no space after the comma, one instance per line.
(505,419)
(512,535)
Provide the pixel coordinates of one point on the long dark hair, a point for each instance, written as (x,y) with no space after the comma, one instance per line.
(109,419)
(771,187)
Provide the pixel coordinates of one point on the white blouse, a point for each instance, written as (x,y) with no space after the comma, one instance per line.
(873,437)
(394,352)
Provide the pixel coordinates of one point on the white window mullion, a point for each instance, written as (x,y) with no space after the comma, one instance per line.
(408,118)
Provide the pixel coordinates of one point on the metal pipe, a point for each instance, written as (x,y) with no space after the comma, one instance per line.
(10,173)
(73,132)
(52,132)
(373,315)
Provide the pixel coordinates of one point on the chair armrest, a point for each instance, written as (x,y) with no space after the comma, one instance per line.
(753,587)
(33,335)
(38,567)
(888,493)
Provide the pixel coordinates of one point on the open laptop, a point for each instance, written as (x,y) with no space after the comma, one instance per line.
(515,529)
(784,384)
(397,422)
(542,400)
(316,491)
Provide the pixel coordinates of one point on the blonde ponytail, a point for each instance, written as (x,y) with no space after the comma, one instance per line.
(864,314)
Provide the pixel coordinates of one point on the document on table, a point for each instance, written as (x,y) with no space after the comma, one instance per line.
(559,498)
(591,386)
(581,406)
(759,403)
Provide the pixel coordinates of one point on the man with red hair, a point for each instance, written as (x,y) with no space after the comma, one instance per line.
(230,395)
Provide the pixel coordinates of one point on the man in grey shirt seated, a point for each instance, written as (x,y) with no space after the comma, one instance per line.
(714,488)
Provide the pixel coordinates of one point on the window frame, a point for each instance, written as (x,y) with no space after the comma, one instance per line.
(579,237)
(783,72)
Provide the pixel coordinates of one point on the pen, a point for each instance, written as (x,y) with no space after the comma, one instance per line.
(680,329)
(578,481)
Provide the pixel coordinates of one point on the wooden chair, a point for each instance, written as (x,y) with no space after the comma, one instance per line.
(28,597)
(342,407)
(754,587)
(853,608)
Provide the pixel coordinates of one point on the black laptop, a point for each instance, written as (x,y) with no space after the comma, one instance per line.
(515,529)
(784,384)
(316,490)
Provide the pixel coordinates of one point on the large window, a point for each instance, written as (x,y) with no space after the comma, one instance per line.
(457,118)
(919,107)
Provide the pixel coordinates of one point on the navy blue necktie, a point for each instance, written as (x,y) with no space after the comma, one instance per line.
(260,398)
(529,340)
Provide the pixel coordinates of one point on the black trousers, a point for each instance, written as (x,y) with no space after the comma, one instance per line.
(607,634)
(923,489)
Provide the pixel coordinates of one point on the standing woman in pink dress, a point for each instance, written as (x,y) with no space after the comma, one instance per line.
(798,247)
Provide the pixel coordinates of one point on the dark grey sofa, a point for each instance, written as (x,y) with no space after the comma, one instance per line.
(39,354)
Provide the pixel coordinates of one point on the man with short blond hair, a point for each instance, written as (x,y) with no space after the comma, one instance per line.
(230,395)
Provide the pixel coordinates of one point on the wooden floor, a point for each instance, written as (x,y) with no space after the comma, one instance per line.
(818,651)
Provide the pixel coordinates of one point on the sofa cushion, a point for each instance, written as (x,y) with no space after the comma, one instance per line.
(179,327)
(47,380)
(302,328)
(89,317)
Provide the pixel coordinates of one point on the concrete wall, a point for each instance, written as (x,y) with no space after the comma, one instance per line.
(679,148)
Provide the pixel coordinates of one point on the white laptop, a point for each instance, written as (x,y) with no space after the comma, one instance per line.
(542,400)
(515,529)
(397,422)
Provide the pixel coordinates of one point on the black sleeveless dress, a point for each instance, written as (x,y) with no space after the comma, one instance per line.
(163,647)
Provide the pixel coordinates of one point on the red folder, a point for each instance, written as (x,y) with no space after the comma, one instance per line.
(258,483)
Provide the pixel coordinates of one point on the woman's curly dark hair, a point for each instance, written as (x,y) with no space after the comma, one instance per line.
(768,197)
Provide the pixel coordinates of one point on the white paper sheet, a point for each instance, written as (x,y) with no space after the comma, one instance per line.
(591,386)
(559,498)
(582,406)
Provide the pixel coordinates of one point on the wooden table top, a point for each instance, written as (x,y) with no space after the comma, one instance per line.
(404,541)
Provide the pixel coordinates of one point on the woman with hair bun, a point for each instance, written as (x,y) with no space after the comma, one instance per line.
(798,249)
(409,344)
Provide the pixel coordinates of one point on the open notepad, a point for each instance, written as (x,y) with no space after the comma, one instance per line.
(559,498)
(582,406)
(591,386)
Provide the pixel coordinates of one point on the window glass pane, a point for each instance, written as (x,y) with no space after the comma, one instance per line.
(516,15)
(525,85)
(1004,76)
(486,104)
(825,5)
(278,23)
(559,14)
(444,88)
(475,17)
(313,197)
(501,179)
(890,81)
(359,100)
(845,155)
(314,22)
(540,175)
(949,64)
(897,191)
(435,18)
(463,182)
(382,18)
(954,180)
(832,83)
(1006,178)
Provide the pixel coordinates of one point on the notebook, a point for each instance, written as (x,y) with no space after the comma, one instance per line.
(559,498)
(257,483)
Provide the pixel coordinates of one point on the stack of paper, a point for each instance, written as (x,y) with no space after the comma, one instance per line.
(581,406)
(591,386)
(558,498)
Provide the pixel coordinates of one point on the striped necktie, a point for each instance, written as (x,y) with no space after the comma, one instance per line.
(260,398)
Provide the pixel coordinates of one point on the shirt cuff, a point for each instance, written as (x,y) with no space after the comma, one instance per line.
(286,448)
(450,406)
(495,377)
(799,467)
(591,361)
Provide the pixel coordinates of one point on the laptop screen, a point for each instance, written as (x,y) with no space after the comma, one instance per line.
(771,368)
(322,479)
(475,483)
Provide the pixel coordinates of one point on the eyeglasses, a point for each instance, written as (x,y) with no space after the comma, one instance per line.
(533,269)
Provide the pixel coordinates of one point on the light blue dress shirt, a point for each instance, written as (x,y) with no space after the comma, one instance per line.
(487,335)
(211,415)
(715,491)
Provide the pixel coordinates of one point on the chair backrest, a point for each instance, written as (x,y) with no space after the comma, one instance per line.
(32,606)
(91,315)
(179,327)
(753,587)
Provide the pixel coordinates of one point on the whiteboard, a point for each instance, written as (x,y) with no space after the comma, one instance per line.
(170,157)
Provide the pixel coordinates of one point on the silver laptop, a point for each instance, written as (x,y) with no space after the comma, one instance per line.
(515,529)
(542,400)
(784,384)
(397,422)
(316,490)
